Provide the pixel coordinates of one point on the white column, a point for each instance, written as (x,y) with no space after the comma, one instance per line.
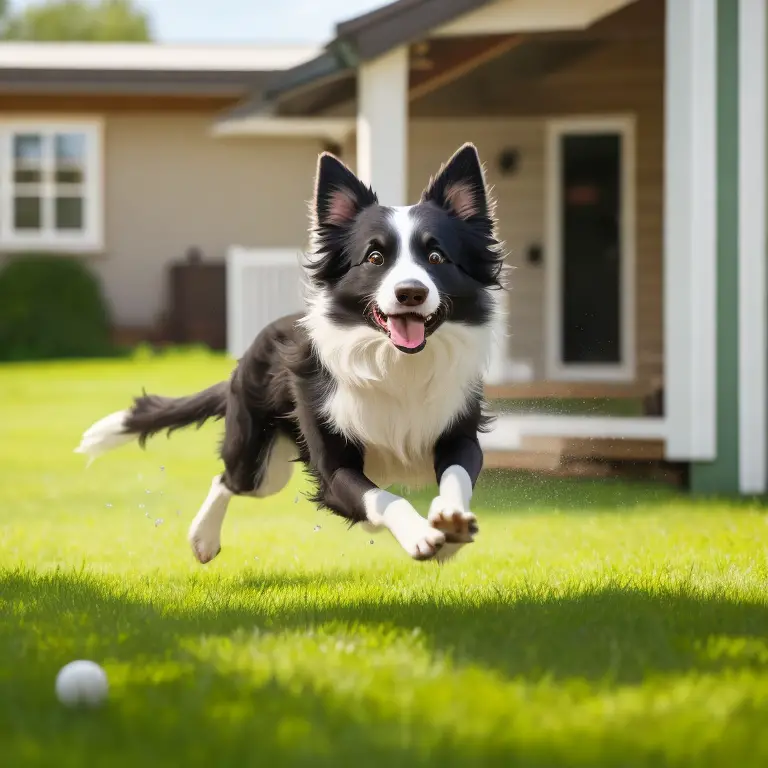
(382,126)
(690,230)
(753,341)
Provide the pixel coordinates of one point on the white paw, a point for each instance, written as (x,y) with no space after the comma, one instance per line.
(205,544)
(414,534)
(459,526)
(423,541)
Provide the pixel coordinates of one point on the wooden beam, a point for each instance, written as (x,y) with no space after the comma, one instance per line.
(454,59)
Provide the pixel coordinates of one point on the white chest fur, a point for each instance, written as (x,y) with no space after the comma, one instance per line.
(398,405)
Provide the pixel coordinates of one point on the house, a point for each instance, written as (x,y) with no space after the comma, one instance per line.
(625,141)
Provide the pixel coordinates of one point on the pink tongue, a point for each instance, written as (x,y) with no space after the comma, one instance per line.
(406,331)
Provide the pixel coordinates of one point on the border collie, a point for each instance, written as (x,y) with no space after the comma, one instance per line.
(378,382)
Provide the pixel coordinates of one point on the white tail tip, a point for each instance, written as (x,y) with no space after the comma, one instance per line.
(105,435)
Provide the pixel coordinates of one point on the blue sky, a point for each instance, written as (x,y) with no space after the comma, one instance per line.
(235,21)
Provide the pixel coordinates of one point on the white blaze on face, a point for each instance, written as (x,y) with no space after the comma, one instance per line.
(406,332)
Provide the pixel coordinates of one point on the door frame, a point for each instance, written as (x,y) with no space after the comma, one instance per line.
(556,369)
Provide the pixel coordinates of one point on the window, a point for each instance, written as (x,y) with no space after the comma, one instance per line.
(51,188)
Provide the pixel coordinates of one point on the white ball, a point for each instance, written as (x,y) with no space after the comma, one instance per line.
(81,683)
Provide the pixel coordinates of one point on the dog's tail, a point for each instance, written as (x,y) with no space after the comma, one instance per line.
(151,414)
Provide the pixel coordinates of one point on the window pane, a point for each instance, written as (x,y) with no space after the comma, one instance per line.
(27,157)
(28,147)
(69,213)
(27,213)
(69,151)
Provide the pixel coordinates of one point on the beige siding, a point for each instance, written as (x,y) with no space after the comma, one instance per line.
(621,78)
(519,207)
(170,185)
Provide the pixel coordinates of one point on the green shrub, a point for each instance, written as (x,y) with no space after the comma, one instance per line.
(51,307)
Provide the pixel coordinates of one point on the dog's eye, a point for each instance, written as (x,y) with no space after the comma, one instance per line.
(435,257)
(374,257)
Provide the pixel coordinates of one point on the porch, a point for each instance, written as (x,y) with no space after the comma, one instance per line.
(598,124)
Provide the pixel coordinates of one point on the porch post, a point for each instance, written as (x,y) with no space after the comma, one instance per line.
(721,475)
(382,126)
(753,338)
(690,253)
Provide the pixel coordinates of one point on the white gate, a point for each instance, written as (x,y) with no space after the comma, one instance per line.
(263,284)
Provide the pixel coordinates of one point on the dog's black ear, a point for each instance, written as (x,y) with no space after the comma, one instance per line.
(339,194)
(459,186)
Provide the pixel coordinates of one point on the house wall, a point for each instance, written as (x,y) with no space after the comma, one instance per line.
(625,77)
(519,208)
(171,185)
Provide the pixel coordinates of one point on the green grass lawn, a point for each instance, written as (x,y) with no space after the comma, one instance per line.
(591,624)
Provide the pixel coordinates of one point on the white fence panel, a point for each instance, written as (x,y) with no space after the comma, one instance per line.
(263,284)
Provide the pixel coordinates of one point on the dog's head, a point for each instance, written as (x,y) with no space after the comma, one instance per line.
(405,272)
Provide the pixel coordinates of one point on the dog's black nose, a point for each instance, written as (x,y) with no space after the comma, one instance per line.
(411,293)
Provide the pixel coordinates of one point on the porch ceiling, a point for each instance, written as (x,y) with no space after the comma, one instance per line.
(320,88)
(435,63)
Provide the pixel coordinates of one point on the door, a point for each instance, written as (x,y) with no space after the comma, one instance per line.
(589,296)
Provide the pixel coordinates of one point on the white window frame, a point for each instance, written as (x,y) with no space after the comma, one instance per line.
(555,367)
(91,237)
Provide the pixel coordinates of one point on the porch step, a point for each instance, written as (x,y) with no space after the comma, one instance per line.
(531,390)
(510,430)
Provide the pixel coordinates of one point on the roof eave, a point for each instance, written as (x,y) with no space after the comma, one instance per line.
(120,82)
(366,37)
(329,65)
(405,21)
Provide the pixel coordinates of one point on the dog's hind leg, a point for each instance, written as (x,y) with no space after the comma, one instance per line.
(205,530)
(257,463)
(242,450)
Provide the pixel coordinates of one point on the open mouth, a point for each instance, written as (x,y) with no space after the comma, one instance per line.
(408,331)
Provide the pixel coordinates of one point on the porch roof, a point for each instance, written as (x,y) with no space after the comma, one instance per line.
(446,40)
(365,37)
(139,68)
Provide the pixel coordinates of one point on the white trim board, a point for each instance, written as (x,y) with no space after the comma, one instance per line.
(753,339)
(320,128)
(556,369)
(508,431)
(690,230)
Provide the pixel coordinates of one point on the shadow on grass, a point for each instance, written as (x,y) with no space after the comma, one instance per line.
(612,634)
(201,715)
(204,716)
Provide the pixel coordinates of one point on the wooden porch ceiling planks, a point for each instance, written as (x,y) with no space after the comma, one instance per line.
(448,60)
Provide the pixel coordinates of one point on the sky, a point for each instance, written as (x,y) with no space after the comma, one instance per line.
(247,21)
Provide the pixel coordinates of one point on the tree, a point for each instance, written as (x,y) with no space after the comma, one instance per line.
(94,21)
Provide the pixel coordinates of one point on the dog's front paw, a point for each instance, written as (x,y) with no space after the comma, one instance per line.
(424,544)
(415,535)
(459,526)
(205,544)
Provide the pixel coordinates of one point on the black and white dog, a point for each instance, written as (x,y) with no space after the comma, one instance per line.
(379,382)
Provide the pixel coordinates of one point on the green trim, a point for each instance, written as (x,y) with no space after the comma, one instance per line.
(722,475)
